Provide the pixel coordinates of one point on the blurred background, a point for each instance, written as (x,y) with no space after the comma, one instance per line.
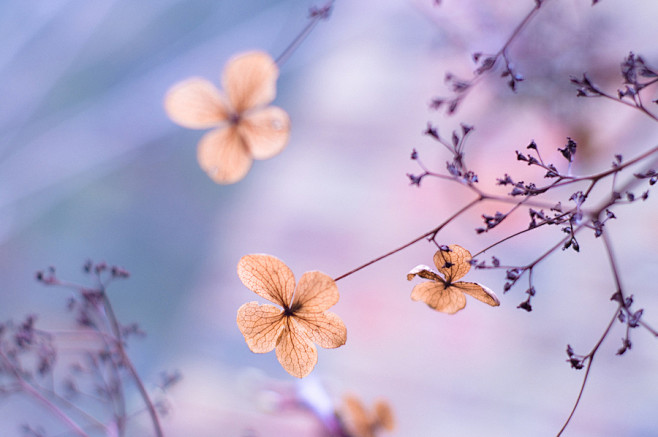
(91,167)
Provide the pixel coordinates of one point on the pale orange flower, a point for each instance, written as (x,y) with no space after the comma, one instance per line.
(303,320)
(246,128)
(446,295)
(364,423)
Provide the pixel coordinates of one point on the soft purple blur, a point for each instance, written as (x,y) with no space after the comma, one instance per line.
(91,167)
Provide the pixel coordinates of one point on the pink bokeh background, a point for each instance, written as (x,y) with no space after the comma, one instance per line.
(91,167)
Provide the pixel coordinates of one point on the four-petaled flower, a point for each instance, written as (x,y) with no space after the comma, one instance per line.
(246,128)
(303,320)
(446,295)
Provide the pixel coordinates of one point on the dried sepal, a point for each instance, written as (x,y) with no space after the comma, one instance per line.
(268,277)
(453,263)
(261,326)
(266,132)
(222,155)
(479,292)
(196,103)
(315,292)
(424,272)
(249,80)
(295,351)
(439,296)
(384,414)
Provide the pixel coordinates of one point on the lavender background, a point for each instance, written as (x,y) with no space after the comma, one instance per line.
(91,167)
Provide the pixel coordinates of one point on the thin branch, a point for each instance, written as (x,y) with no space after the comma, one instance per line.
(590,359)
(316,15)
(431,234)
(126,361)
(27,388)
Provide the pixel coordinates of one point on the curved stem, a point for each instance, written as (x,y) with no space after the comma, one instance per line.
(635,104)
(431,234)
(315,18)
(27,388)
(590,359)
(133,372)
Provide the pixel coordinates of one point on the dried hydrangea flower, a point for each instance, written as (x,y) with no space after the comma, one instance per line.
(446,295)
(246,128)
(365,423)
(303,319)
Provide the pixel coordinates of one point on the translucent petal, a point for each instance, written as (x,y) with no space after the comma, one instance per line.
(480,292)
(315,292)
(453,264)
(295,351)
(261,326)
(223,156)
(424,272)
(359,421)
(325,329)
(267,276)
(249,80)
(265,131)
(196,104)
(437,296)
(384,415)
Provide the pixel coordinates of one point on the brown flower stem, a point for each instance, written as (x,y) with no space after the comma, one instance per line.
(554,248)
(111,343)
(503,51)
(648,328)
(598,176)
(62,400)
(527,200)
(613,263)
(520,27)
(431,234)
(128,364)
(637,105)
(299,39)
(622,305)
(27,388)
(124,360)
(521,232)
(590,358)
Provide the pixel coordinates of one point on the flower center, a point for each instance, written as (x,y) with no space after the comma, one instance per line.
(234,118)
(288,311)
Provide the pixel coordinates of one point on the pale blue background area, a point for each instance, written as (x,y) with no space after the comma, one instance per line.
(91,167)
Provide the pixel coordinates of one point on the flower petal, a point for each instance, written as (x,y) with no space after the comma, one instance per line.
(265,131)
(453,264)
(315,292)
(261,326)
(295,351)
(325,329)
(267,276)
(437,296)
(358,419)
(249,80)
(480,292)
(196,104)
(384,415)
(424,272)
(223,155)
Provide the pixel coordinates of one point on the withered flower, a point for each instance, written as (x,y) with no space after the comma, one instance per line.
(304,319)
(245,127)
(446,295)
(365,423)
